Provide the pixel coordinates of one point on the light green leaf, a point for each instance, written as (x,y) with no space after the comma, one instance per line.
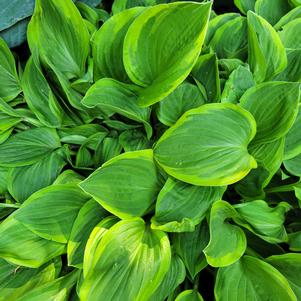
(94,239)
(51,211)
(39,95)
(185,97)
(264,221)
(126,185)
(289,265)
(68,177)
(274,106)
(7,122)
(190,245)
(207,147)
(245,5)
(107,45)
(88,217)
(20,246)
(252,279)
(230,39)
(181,206)
(205,72)
(129,252)
(267,55)
(240,80)
(16,280)
(290,34)
(113,97)
(149,35)
(57,290)
(28,147)
(9,80)
(64,47)
(272,13)
(189,295)
(25,180)
(227,241)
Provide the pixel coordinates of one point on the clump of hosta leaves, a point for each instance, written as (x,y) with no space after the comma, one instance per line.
(152,153)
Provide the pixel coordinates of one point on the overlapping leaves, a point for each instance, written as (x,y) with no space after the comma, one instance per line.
(145,151)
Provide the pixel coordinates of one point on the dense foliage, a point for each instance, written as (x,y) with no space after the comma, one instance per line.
(152,152)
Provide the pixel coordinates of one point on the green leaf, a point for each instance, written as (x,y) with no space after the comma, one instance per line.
(70,40)
(113,97)
(14,11)
(94,239)
(51,211)
(252,279)
(230,39)
(267,55)
(190,245)
(126,185)
(173,278)
(9,80)
(88,217)
(185,97)
(245,5)
(269,157)
(7,122)
(295,241)
(16,280)
(107,149)
(218,22)
(160,75)
(128,253)
(205,72)
(3,180)
(25,180)
(181,206)
(132,140)
(272,13)
(16,34)
(293,165)
(28,147)
(107,45)
(290,34)
(293,139)
(39,96)
(20,246)
(57,290)
(289,265)
(189,295)
(264,221)
(274,106)
(121,5)
(290,16)
(240,80)
(227,241)
(206,147)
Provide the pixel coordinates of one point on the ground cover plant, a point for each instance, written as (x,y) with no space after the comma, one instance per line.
(152,151)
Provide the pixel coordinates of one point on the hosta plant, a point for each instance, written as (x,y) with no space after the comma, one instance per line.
(152,152)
